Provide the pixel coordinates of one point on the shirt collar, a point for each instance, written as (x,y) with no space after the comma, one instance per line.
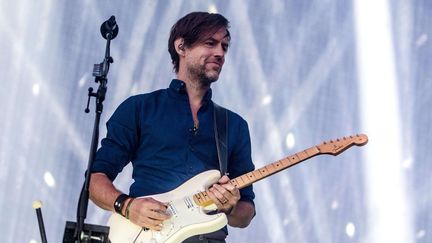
(178,88)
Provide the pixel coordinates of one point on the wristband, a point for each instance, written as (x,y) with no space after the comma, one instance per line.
(118,204)
(127,207)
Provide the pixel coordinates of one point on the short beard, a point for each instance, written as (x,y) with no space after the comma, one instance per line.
(205,80)
(198,73)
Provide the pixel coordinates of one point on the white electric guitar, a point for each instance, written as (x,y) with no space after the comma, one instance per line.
(189,203)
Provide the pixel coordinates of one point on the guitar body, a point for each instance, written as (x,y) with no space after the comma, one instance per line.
(187,218)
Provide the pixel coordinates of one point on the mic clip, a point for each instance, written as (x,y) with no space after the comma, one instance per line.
(98,69)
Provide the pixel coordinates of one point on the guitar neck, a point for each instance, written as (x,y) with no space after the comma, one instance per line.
(249,178)
(333,147)
(270,169)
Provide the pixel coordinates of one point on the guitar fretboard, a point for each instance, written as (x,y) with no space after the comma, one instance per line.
(247,179)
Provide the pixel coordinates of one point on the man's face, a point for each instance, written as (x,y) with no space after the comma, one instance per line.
(204,60)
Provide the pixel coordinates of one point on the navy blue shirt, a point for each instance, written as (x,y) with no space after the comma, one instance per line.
(155,132)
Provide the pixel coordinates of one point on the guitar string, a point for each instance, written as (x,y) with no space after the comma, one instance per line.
(136,238)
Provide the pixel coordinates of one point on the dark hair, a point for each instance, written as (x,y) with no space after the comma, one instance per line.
(194,27)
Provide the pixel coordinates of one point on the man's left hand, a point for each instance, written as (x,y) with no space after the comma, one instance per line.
(224,194)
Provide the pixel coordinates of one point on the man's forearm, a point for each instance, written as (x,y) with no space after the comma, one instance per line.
(102,191)
(241,214)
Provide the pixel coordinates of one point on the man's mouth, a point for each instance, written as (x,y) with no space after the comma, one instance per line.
(216,64)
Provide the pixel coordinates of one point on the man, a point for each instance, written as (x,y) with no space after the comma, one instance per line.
(169,138)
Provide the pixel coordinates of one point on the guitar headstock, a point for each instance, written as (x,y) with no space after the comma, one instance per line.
(335,147)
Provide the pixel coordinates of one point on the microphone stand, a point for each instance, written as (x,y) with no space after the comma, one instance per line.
(86,232)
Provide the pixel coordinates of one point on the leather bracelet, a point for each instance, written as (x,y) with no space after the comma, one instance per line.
(127,207)
(118,204)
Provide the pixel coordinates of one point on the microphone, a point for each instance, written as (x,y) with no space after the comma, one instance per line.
(37,206)
(194,130)
(109,28)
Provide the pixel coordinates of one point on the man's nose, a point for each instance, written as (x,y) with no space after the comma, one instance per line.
(219,52)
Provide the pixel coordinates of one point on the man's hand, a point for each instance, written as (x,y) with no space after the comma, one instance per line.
(147,212)
(224,194)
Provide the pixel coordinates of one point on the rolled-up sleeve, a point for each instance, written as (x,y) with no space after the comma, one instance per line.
(118,147)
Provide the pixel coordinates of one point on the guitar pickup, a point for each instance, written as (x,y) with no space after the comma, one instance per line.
(188,202)
(171,210)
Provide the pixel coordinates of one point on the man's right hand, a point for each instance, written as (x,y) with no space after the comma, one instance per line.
(147,212)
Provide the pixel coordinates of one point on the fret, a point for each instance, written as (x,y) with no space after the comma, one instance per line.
(195,198)
(313,151)
(298,157)
(257,174)
(293,159)
(243,179)
(250,176)
(248,179)
(203,195)
(260,175)
(240,180)
(269,168)
(302,155)
(285,162)
(265,170)
(199,198)
(262,172)
(234,182)
(278,165)
(274,168)
(290,161)
(202,199)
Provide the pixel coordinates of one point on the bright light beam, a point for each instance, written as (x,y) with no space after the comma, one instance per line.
(389,210)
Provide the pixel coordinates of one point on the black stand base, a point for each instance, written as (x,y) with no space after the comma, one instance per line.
(92,233)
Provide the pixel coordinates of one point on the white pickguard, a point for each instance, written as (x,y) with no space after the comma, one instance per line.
(187,218)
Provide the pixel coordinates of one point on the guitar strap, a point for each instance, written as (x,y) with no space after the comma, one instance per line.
(220,117)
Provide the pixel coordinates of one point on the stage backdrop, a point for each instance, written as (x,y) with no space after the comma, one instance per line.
(300,72)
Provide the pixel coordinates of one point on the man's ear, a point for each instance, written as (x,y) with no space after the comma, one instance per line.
(179,46)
